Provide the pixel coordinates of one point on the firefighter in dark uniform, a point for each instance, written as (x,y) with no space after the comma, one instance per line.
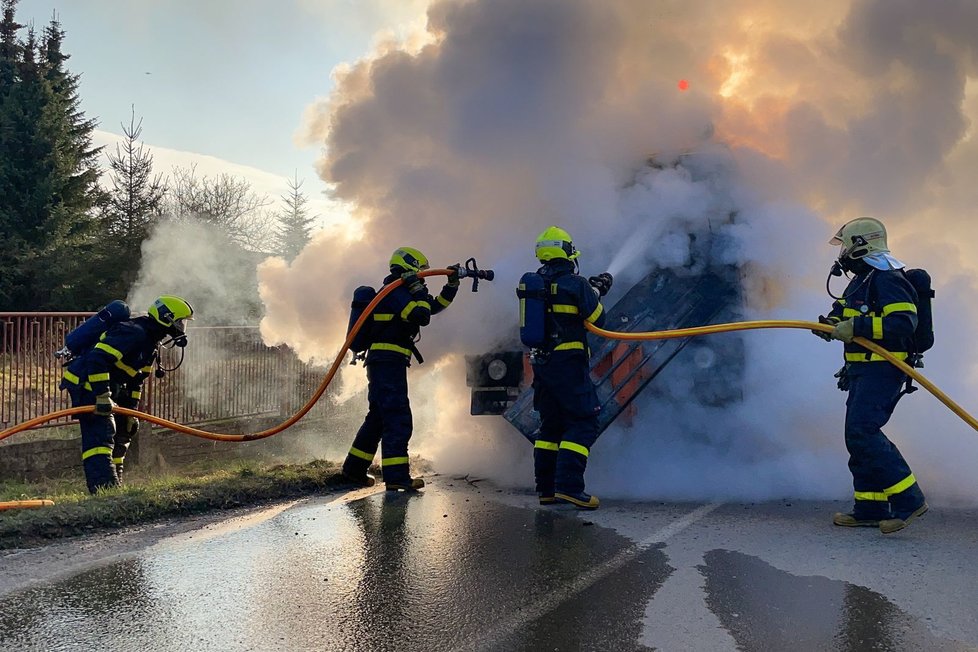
(563,393)
(112,372)
(879,304)
(394,327)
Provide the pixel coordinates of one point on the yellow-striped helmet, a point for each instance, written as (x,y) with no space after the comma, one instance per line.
(861,237)
(553,243)
(408,259)
(170,311)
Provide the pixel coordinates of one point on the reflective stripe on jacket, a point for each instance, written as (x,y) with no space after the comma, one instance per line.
(572,302)
(883,307)
(124,354)
(398,318)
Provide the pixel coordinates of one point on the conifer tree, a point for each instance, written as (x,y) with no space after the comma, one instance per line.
(132,206)
(10,46)
(72,255)
(48,174)
(295,223)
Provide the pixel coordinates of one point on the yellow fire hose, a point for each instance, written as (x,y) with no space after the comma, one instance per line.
(825,328)
(659,335)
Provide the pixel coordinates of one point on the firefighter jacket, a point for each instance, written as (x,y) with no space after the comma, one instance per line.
(571,302)
(883,307)
(123,357)
(397,320)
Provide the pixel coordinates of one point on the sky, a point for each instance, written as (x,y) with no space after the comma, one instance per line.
(223,83)
(466,127)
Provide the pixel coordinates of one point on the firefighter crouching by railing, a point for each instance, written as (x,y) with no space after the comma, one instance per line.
(110,356)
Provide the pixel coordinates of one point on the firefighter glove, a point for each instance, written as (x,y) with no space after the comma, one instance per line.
(413,283)
(843,376)
(453,277)
(844,331)
(132,425)
(180,340)
(602,283)
(825,336)
(104,404)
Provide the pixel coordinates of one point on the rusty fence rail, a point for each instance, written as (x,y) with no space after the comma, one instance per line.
(227,373)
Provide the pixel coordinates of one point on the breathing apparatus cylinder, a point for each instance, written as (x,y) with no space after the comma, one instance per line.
(532,292)
(86,335)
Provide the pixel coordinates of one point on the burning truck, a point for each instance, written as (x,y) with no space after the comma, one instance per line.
(704,289)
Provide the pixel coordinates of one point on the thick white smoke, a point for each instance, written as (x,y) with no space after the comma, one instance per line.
(197,261)
(508,116)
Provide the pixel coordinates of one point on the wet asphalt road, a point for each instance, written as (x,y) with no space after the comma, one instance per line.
(469,567)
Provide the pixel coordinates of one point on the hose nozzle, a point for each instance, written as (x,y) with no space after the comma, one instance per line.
(471,270)
(601,283)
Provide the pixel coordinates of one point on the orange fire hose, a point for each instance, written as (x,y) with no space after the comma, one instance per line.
(196,432)
(25,504)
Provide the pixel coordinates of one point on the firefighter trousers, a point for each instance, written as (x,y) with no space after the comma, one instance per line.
(564,396)
(882,480)
(388,424)
(98,441)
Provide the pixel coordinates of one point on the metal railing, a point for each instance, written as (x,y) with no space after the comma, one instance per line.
(227,373)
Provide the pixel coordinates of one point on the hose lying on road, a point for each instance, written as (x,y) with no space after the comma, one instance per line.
(25,504)
(806,325)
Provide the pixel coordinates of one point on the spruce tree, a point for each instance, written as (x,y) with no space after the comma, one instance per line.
(48,174)
(26,178)
(10,46)
(10,57)
(72,256)
(295,223)
(132,206)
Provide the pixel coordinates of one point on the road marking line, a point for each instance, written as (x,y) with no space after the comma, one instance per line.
(509,626)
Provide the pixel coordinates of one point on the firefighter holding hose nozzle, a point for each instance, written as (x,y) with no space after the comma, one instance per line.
(555,302)
(387,342)
(880,304)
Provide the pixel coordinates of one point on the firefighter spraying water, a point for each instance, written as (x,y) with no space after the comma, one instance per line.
(386,344)
(555,303)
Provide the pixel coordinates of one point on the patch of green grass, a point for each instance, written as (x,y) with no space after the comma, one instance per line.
(146,498)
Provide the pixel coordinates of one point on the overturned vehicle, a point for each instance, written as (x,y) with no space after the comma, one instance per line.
(705,289)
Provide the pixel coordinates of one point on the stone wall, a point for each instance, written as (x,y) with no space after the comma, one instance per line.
(151,448)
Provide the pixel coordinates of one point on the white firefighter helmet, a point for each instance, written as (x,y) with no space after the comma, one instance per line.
(861,237)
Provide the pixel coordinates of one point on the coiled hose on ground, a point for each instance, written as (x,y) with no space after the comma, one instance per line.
(658,335)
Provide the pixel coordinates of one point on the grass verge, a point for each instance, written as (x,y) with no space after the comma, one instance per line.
(146,498)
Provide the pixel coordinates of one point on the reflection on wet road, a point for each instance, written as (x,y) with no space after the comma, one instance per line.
(468,568)
(389,572)
(764,608)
